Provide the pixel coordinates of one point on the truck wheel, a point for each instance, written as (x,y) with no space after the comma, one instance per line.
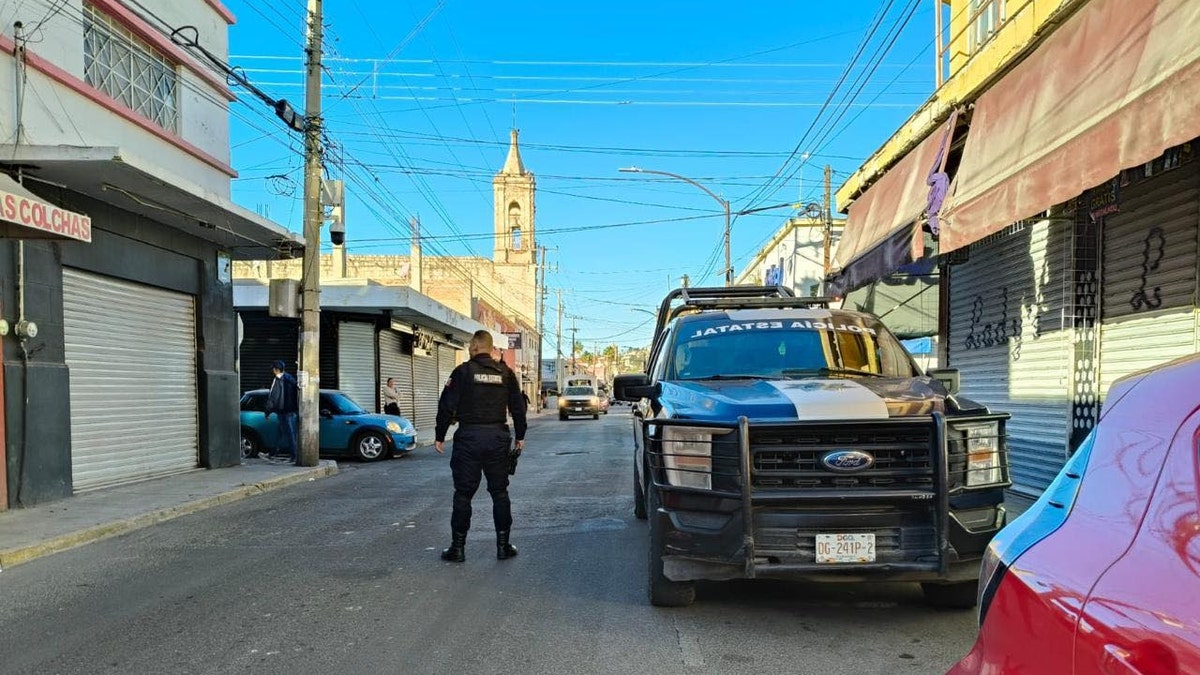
(596,416)
(561,416)
(639,498)
(960,595)
(663,591)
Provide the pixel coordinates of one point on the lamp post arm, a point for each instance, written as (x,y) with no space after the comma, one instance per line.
(710,193)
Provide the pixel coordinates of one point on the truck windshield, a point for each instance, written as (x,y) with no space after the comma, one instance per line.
(579,391)
(789,348)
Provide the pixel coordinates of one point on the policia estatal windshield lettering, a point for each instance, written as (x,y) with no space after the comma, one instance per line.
(480,394)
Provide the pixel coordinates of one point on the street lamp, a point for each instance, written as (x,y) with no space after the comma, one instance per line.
(724,205)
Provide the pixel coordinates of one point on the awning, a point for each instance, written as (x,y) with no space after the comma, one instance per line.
(881,232)
(1114,87)
(362,296)
(119,177)
(24,215)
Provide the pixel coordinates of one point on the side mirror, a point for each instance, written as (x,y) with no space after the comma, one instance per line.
(632,388)
(948,377)
(326,413)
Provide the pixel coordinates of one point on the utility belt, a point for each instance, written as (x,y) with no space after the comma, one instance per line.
(483,425)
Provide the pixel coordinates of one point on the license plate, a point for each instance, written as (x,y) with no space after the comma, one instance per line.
(846,548)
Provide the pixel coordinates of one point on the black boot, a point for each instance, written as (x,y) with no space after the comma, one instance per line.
(456,552)
(504,550)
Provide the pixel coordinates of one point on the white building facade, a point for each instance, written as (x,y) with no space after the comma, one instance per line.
(794,257)
(132,371)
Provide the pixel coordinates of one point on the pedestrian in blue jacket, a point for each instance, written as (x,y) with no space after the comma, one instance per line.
(284,402)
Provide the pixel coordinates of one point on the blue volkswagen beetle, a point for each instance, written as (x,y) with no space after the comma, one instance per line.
(346,429)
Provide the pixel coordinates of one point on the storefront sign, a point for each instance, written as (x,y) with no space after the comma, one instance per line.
(1104,200)
(514,340)
(423,344)
(33,213)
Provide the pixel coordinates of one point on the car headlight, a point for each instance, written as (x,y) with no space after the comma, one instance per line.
(982,444)
(397,428)
(687,455)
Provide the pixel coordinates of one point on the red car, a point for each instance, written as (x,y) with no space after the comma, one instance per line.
(1102,574)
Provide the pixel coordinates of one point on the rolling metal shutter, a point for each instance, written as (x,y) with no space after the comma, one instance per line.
(131,352)
(447,360)
(427,387)
(393,362)
(1148,278)
(356,363)
(1007,304)
(265,340)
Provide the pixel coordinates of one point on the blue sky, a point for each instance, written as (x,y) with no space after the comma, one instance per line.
(420,97)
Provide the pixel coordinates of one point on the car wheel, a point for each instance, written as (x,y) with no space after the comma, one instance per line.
(250,444)
(370,446)
(663,591)
(639,498)
(959,595)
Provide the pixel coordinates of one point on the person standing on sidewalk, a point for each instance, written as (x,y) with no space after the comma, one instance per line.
(479,394)
(283,401)
(391,398)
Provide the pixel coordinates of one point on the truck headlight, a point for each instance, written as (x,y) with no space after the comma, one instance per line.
(687,455)
(596,401)
(562,402)
(983,449)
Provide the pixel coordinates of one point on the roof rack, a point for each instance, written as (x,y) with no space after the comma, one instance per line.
(689,296)
(759,303)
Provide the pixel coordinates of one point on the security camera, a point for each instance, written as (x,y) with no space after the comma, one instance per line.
(337,233)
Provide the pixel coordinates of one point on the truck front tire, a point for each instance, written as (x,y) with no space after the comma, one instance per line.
(639,498)
(663,591)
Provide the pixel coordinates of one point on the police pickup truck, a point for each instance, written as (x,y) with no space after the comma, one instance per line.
(778,438)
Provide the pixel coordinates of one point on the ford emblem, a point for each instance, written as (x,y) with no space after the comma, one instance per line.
(848,461)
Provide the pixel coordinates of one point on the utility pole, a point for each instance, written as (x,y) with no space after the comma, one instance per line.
(416,258)
(828,216)
(310,280)
(573,350)
(728,262)
(686,279)
(540,282)
(558,365)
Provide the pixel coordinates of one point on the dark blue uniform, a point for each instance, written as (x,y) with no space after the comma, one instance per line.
(480,394)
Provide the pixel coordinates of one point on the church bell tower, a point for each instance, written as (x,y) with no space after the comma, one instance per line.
(514,211)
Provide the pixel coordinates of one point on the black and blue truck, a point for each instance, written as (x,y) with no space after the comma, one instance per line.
(777,437)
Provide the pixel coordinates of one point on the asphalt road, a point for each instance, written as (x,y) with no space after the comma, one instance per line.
(342,576)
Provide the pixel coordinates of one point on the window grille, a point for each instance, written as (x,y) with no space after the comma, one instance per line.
(131,71)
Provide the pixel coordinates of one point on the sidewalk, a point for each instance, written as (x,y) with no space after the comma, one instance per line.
(27,534)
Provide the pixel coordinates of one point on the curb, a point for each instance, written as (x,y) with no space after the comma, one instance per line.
(13,557)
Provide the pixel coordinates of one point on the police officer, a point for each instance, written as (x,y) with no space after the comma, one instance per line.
(478,394)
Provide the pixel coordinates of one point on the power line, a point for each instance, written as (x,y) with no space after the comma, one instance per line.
(874,26)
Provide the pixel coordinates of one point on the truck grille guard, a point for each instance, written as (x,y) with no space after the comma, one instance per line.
(731,470)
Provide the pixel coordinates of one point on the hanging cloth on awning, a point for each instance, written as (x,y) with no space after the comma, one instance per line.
(1114,87)
(883,230)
